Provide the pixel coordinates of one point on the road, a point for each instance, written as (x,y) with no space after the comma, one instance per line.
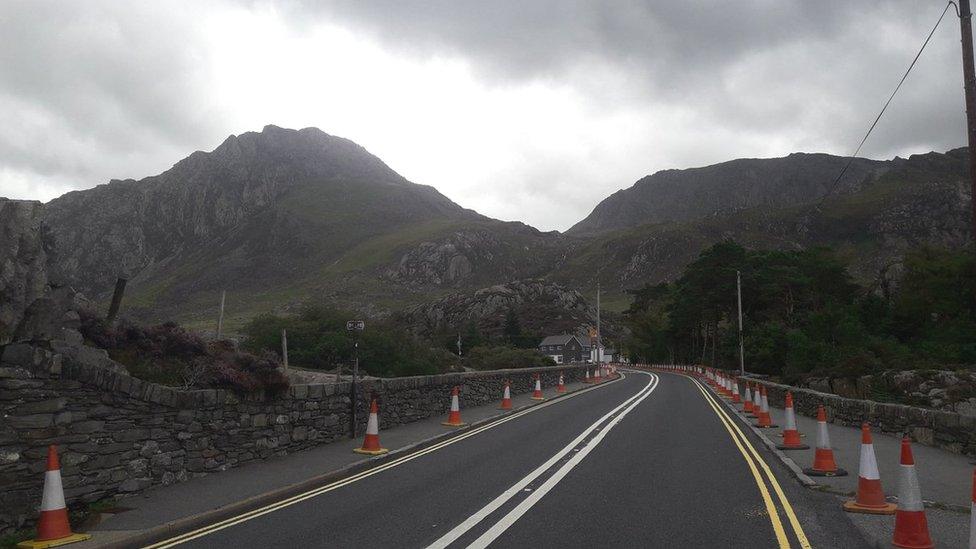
(650,460)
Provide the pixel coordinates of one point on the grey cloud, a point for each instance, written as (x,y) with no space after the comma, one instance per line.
(93,90)
(833,62)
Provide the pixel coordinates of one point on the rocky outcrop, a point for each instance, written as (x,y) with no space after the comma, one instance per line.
(478,255)
(24,251)
(540,305)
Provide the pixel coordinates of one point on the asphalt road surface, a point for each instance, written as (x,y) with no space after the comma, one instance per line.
(651,460)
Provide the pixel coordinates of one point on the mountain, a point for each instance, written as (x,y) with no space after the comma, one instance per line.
(279,217)
(881,213)
(684,195)
(275,217)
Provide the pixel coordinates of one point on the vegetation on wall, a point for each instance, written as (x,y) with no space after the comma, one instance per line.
(170,355)
(318,339)
(804,315)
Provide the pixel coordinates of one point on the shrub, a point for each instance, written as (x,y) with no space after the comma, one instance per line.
(169,354)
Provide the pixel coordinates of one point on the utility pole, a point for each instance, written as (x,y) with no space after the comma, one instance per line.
(742,349)
(113,309)
(599,340)
(969,85)
(284,350)
(220,317)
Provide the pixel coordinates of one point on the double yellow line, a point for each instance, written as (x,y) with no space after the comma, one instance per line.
(227,523)
(755,463)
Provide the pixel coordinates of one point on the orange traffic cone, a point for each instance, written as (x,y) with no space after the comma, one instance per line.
(756,400)
(791,436)
(537,393)
(735,391)
(911,527)
(506,397)
(870,497)
(454,417)
(52,526)
(561,387)
(765,421)
(823,457)
(747,401)
(371,444)
(596,374)
(587,378)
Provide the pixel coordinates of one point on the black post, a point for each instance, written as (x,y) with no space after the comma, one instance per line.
(113,309)
(969,84)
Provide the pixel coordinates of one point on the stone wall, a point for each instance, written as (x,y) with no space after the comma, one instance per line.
(120,435)
(947,430)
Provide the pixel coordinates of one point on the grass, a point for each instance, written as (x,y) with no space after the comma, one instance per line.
(9,541)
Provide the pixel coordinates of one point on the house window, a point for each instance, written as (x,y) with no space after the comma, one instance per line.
(559,347)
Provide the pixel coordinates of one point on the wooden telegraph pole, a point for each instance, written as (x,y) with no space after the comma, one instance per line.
(742,348)
(113,309)
(969,85)
(220,315)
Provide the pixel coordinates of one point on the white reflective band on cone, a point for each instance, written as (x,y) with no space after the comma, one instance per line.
(53,497)
(909,492)
(823,439)
(454,404)
(869,464)
(372,425)
(790,420)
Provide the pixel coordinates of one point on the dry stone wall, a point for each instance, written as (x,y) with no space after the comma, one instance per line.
(120,435)
(947,430)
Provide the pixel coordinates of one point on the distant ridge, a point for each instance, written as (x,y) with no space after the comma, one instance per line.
(683,195)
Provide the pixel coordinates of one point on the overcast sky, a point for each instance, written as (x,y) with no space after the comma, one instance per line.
(530,110)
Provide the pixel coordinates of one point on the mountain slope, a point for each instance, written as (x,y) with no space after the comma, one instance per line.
(683,195)
(275,217)
(279,217)
(919,201)
(230,202)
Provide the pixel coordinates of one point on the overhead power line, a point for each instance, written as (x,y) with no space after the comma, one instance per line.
(850,160)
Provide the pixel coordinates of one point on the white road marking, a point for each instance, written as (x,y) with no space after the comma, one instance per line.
(524,506)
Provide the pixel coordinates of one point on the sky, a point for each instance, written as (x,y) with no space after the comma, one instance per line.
(522,110)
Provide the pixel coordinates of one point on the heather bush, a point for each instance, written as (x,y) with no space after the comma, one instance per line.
(169,354)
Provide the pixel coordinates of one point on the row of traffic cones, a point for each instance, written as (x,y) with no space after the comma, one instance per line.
(601,373)
(911,527)
(53,528)
(371,443)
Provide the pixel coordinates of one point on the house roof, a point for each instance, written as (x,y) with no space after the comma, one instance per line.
(557,340)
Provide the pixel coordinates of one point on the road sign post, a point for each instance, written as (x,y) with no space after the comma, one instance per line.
(354,326)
